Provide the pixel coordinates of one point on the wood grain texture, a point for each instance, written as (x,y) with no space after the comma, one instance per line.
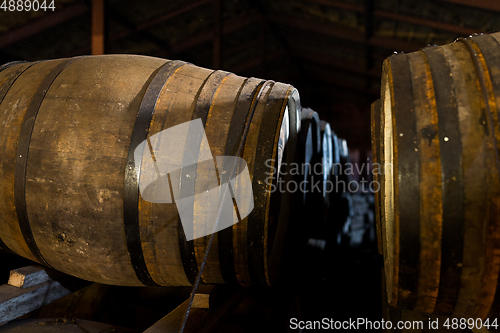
(160,222)
(78,154)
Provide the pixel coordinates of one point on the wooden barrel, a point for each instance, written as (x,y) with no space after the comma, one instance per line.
(69,189)
(327,159)
(440,199)
(401,320)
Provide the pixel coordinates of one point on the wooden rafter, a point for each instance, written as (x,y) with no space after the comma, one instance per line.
(483,4)
(45,22)
(346,33)
(97,27)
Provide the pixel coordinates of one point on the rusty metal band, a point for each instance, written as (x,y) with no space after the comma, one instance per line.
(450,147)
(238,122)
(407,174)
(202,108)
(131,183)
(22,157)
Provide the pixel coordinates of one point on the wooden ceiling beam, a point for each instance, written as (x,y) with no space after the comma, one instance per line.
(318,27)
(45,22)
(98,21)
(337,63)
(64,15)
(345,33)
(481,4)
(205,37)
(244,66)
(370,93)
(227,28)
(424,22)
(170,15)
(340,5)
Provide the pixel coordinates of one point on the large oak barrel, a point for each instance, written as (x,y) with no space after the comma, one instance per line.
(440,194)
(69,195)
(61,325)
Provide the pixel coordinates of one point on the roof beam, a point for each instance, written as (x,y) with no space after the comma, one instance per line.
(482,4)
(244,66)
(424,22)
(205,37)
(60,16)
(171,15)
(45,22)
(321,28)
(217,42)
(339,5)
(97,39)
(337,63)
(346,33)
(343,84)
(159,19)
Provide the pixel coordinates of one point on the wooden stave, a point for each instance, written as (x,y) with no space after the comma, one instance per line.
(327,157)
(60,325)
(375,141)
(289,92)
(476,307)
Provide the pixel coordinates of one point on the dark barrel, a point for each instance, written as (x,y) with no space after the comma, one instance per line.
(438,139)
(69,194)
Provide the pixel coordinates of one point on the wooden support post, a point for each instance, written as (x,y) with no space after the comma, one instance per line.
(32,287)
(97,27)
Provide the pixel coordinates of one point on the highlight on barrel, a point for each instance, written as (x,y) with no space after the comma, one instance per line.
(69,187)
(326,159)
(438,141)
